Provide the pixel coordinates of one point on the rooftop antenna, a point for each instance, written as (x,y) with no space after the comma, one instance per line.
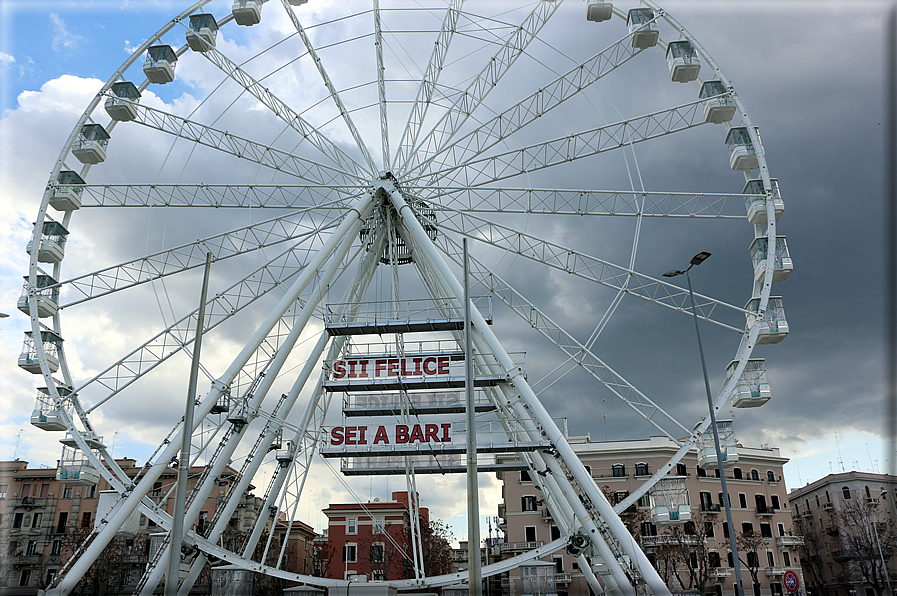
(15,454)
(114,436)
(871,463)
(840,461)
(604,415)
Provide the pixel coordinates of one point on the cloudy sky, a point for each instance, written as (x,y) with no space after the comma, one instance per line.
(809,73)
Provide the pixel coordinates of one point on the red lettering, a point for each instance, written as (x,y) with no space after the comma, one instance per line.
(361,431)
(430,433)
(350,435)
(416,434)
(405,373)
(336,435)
(452,398)
(401,433)
(416,362)
(393,367)
(379,366)
(382,436)
(427,366)
(352,364)
(364,368)
(446,428)
(443,365)
(339,369)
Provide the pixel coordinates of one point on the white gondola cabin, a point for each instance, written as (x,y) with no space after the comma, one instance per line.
(29,360)
(728,446)
(247,12)
(782,264)
(683,60)
(297,2)
(202,32)
(52,242)
(756,204)
(66,195)
(752,389)
(719,107)
(669,502)
(75,468)
(121,105)
(773,324)
(90,148)
(643,28)
(46,414)
(45,296)
(599,10)
(743,155)
(284,456)
(222,405)
(159,64)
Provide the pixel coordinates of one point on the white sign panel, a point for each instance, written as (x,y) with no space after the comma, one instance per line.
(384,368)
(390,434)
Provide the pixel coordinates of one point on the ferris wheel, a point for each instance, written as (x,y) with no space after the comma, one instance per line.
(373,137)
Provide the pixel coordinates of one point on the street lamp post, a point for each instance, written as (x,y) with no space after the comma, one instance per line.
(697,260)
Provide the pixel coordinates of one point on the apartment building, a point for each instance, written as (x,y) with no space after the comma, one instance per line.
(757,495)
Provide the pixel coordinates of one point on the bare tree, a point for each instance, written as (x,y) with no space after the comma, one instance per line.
(120,563)
(691,544)
(812,550)
(868,542)
(750,544)
(437,550)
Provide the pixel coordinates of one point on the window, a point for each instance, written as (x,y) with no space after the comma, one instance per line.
(91,493)
(157,490)
(721,503)
(588,470)
(781,528)
(828,498)
(681,470)
(786,557)
(31,548)
(736,472)
(36,520)
(56,549)
(528,503)
(620,495)
(378,525)
(708,530)
(817,501)
(17,520)
(752,559)
(765,530)
(755,475)
(67,492)
(644,500)
(202,522)
(352,525)
(714,559)
(649,529)
(846,492)
(868,496)
(702,473)
(742,500)
(716,472)
(558,564)
(85,519)
(25,577)
(529,534)
(641,469)
(350,552)
(747,528)
(44,490)
(770,558)
(524,476)
(726,531)
(555,533)
(26,491)
(63,521)
(731,562)
(4,488)
(127,577)
(618,470)
(377,552)
(770,476)
(775,502)
(760,501)
(51,573)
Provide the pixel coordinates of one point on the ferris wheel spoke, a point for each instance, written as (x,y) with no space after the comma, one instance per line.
(548,97)
(280,109)
(381,88)
(587,267)
(218,196)
(452,120)
(177,336)
(297,226)
(577,352)
(243,148)
(327,83)
(571,148)
(429,82)
(626,203)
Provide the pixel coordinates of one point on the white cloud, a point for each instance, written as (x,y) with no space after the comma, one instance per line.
(6,59)
(63,39)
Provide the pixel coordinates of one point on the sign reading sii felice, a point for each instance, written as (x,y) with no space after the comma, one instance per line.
(377,368)
(392,434)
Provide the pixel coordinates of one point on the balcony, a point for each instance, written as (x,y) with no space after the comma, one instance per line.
(833,531)
(841,555)
(505,582)
(786,541)
(709,508)
(795,517)
(829,506)
(765,511)
(807,514)
(562,578)
(30,502)
(670,540)
(33,559)
(775,571)
(519,546)
(720,573)
(546,514)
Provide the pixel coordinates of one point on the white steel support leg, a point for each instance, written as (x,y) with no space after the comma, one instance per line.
(283,352)
(421,241)
(359,212)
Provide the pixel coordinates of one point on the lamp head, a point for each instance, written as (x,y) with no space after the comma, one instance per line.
(700,258)
(673,273)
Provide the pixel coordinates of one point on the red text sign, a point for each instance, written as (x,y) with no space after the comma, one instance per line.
(393,434)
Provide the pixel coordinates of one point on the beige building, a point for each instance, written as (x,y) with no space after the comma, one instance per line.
(847,520)
(42,520)
(757,496)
